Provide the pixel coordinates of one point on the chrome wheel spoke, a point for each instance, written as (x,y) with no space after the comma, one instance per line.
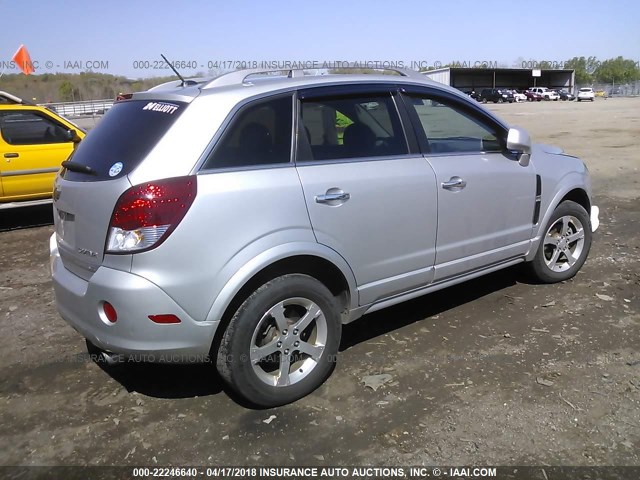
(551,240)
(553,262)
(277,312)
(259,353)
(574,237)
(565,226)
(285,366)
(314,351)
(313,312)
(570,259)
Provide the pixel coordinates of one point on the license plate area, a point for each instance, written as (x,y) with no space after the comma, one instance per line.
(65,227)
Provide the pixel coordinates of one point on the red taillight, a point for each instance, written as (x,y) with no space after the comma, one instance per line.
(145,215)
(110,312)
(164,318)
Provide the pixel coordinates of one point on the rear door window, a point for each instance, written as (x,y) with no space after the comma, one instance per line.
(124,137)
(350,126)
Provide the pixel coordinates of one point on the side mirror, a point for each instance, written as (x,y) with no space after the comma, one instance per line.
(518,141)
(72,136)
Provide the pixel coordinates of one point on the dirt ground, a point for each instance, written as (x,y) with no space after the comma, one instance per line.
(494,371)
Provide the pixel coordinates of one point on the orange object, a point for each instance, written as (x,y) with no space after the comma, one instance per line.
(23,60)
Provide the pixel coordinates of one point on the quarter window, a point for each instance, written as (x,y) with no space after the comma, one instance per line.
(30,128)
(259,134)
(350,127)
(448,128)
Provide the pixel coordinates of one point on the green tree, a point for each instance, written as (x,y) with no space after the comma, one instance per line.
(584,68)
(66,91)
(617,70)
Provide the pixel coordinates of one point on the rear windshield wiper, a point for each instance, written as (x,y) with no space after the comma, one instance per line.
(78,167)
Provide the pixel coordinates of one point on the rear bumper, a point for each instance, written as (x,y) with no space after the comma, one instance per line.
(79,302)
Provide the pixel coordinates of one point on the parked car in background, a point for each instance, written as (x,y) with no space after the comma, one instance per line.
(586,93)
(34,141)
(532,96)
(473,94)
(509,94)
(518,96)
(237,220)
(565,95)
(494,95)
(547,94)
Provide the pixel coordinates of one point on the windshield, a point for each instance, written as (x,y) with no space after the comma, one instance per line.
(125,136)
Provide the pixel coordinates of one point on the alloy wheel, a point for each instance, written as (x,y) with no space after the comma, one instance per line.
(563,243)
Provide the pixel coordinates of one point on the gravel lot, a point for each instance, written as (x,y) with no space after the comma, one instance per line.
(494,371)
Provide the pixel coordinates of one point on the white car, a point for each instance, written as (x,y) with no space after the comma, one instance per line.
(546,93)
(586,93)
(518,97)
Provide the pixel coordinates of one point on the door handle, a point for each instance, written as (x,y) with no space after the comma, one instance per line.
(11,155)
(334,198)
(454,183)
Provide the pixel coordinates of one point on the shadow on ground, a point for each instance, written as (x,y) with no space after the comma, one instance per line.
(25,217)
(396,317)
(167,381)
(185,381)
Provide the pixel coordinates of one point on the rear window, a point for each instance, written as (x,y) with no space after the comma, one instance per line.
(585,89)
(123,138)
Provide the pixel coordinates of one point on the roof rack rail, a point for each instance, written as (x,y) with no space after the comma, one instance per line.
(12,98)
(239,77)
(173,84)
(404,72)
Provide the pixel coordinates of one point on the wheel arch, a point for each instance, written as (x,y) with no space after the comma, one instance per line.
(576,193)
(319,262)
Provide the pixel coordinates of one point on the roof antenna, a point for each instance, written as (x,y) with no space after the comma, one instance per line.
(184,82)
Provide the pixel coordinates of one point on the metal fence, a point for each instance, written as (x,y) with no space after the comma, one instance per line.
(614,89)
(80,109)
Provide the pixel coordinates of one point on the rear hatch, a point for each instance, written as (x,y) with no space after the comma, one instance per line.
(87,189)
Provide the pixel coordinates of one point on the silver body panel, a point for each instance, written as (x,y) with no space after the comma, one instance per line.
(398,235)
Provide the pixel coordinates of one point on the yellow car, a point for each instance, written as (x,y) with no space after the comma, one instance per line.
(34,141)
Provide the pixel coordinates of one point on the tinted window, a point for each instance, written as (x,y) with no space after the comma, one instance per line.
(259,134)
(30,128)
(350,127)
(126,134)
(450,129)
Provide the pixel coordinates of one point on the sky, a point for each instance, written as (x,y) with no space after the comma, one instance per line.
(127,37)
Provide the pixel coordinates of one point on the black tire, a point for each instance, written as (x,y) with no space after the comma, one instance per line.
(233,356)
(539,267)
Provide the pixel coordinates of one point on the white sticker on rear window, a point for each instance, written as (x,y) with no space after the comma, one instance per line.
(162,107)
(115,169)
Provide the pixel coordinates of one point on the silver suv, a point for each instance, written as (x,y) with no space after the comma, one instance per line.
(244,219)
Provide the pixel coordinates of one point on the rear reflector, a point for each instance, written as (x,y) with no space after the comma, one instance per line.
(164,318)
(110,312)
